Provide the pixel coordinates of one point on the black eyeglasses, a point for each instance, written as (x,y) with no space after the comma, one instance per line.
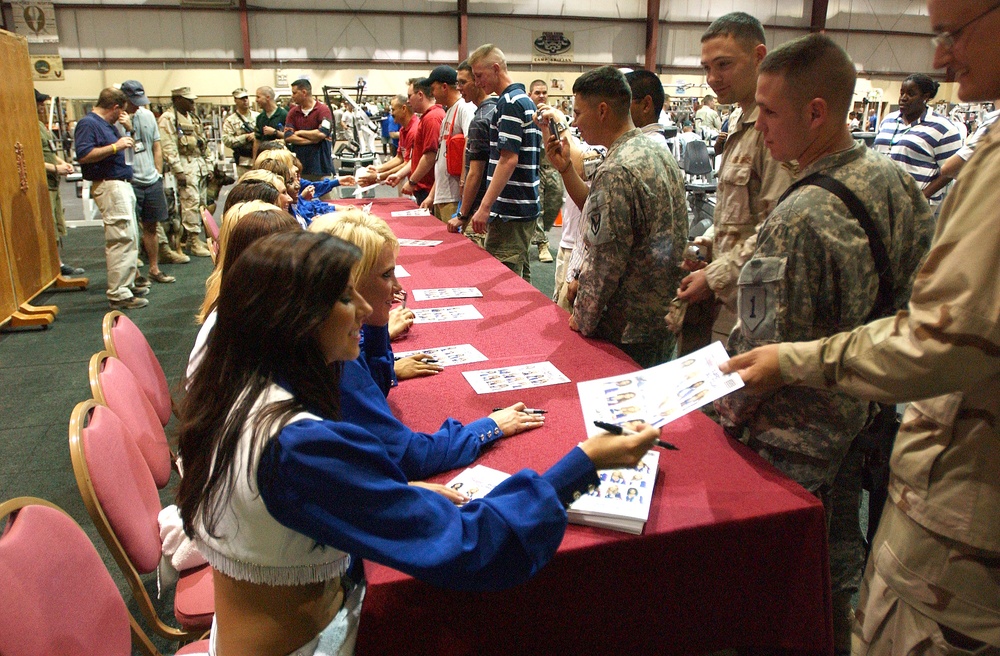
(947,40)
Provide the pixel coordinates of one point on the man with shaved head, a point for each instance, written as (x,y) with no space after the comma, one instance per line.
(932,584)
(815,273)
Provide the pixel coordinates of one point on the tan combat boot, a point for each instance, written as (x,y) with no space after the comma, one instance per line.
(197,247)
(168,255)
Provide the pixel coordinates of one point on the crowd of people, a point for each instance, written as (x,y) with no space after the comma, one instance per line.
(837,275)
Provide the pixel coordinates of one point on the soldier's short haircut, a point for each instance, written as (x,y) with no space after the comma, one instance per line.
(741,26)
(302,83)
(465,66)
(813,66)
(422,85)
(267,91)
(535,83)
(110,97)
(646,83)
(606,84)
(707,99)
(488,54)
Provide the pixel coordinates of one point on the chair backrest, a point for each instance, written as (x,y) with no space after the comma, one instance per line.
(56,596)
(127,343)
(121,498)
(696,160)
(211,227)
(114,385)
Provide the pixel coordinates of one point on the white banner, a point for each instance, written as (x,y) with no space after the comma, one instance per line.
(36,21)
(552,47)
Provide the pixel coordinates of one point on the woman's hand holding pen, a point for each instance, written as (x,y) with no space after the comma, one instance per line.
(416,365)
(454,496)
(517,419)
(607,451)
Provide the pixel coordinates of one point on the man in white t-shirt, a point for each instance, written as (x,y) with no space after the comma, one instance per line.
(446,191)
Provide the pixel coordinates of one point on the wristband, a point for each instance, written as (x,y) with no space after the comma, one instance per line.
(114,149)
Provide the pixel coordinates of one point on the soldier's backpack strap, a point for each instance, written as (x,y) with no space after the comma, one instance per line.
(884,298)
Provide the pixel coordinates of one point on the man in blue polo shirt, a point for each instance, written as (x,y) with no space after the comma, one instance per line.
(101,150)
(510,206)
(307,132)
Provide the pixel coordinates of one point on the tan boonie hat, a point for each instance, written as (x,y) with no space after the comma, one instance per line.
(240,93)
(183,92)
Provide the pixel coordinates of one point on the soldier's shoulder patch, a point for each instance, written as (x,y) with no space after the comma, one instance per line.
(761,294)
(596,216)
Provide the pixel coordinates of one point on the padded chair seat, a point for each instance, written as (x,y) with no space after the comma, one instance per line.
(194,598)
(200,647)
(702,187)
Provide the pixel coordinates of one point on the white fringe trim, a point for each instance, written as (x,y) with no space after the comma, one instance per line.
(274,574)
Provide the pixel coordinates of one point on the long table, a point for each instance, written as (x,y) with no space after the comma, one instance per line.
(733,555)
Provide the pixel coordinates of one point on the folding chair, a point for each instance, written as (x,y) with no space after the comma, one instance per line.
(56,596)
(212,229)
(114,385)
(127,343)
(123,502)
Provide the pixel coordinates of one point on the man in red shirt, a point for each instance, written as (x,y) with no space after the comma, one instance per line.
(408,126)
(307,132)
(425,144)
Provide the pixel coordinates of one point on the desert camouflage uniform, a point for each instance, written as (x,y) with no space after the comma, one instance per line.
(749,185)
(813,275)
(935,561)
(50,152)
(550,193)
(634,232)
(187,153)
(234,134)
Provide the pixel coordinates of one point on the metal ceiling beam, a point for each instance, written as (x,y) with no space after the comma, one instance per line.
(245,34)
(652,34)
(463,29)
(819,11)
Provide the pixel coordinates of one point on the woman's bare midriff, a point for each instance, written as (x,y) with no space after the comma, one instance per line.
(254,619)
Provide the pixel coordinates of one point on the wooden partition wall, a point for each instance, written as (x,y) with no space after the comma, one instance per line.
(29,257)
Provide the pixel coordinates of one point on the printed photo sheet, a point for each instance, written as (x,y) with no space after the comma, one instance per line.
(419,242)
(445,292)
(660,394)
(476,482)
(450,313)
(449,355)
(522,376)
(417,212)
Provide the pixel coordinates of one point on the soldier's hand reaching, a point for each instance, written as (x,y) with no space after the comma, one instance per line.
(694,287)
(759,369)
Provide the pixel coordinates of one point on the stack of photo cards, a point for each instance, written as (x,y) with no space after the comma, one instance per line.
(660,394)
(476,482)
(622,500)
(620,503)
(449,355)
(445,292)
(420,211)
(522,376)
(450,313)
(420,242)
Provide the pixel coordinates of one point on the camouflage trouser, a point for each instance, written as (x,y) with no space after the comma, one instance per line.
(550,192)
(887,625)
(838,486)
(193,196)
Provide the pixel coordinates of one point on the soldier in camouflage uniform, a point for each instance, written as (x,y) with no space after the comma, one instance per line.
(813,275)
(634,224)
(185,151)
(932,584)
(550,186)
(238,131)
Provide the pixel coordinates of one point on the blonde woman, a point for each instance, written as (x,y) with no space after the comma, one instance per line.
(305,205)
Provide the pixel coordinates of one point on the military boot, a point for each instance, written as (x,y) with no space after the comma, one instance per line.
(197,247)
(168,255)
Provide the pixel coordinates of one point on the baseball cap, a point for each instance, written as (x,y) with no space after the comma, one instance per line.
(443,74)
(183,92)
(240,93)
(134,92)
(40,97)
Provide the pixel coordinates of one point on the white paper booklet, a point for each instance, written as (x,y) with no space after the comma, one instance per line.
(445,292)
(522,376)
(660,394)
(449,355)
(476,482)
(450,313)
(401,272)
(417,212)
(622,501)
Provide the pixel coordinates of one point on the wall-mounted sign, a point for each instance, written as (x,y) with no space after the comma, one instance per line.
(36,21)
(552,47)
(47,67)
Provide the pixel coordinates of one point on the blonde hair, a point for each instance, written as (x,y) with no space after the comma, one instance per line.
(229,221)
(364,230)
(284,156)
(488,54)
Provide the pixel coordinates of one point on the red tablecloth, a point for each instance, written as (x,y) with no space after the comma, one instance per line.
(733,554)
